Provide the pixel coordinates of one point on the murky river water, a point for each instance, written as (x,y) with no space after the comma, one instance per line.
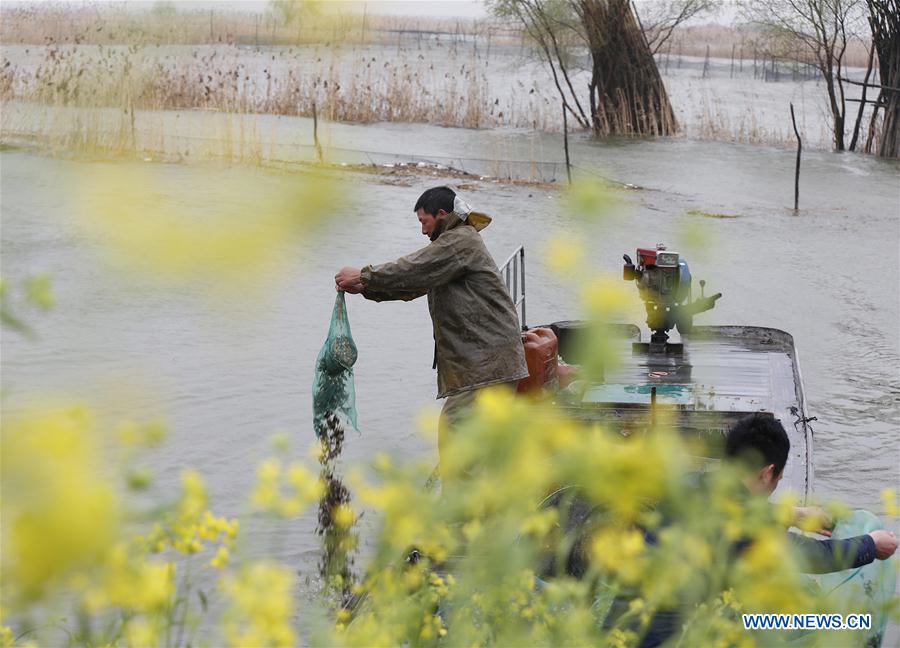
(226,374)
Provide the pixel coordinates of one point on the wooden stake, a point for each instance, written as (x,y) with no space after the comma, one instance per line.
(797,169)
(316,134)
(566,143)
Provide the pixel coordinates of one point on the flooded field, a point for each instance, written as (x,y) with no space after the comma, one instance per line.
(228,371)
(473,83)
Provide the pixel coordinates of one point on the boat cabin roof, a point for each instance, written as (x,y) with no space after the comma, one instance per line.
(702,386)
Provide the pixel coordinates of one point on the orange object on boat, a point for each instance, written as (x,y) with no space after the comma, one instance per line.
(541,348)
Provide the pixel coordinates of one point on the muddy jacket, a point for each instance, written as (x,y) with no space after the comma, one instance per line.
(476,328)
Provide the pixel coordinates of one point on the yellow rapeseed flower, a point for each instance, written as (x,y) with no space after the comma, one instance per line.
(588,197)
(604,297)
(193,496)
(889,499)
(139,633)
(260,606)
(540,523)
(343,516)
(156,585)
(265,492)
(59,513)
(149,434)
(285,493)
(220,559)
(39,291)
(495,405)
(619,552)
(139,479)
(766,553)
(784,509)
(564,253)
(281,442)
(170,232)
(131,583)
(308,487)
(427,422)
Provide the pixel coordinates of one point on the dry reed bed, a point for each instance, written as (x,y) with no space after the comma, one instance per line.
(449,78)
(439,86)
(113,25)
(745,43)
(373,87)
(356,87)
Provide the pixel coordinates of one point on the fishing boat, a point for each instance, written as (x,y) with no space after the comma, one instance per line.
(699,384)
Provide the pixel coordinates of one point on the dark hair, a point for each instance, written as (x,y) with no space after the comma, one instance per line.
(435,199)
(759,440)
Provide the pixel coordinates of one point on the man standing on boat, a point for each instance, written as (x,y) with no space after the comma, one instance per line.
(477,337)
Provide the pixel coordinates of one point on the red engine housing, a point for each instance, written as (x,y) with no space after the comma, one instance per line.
(645,257)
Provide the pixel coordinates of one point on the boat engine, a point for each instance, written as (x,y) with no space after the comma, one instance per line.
(664,283)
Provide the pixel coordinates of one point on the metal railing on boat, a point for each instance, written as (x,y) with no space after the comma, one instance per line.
(513,274)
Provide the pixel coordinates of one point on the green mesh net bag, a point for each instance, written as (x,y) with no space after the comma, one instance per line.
(332,390)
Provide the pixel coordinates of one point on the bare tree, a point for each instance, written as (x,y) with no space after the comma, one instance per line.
(553,27)
(659,18)
(604,38)
(884,19)
(820,30)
